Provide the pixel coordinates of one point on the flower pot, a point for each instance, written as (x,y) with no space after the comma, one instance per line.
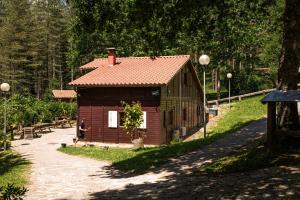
(138,143)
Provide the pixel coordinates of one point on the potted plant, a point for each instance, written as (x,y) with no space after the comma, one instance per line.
(132,120)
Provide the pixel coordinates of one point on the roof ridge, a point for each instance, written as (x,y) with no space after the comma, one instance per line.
(147,57)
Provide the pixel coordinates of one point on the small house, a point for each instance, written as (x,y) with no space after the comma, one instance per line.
(166,86)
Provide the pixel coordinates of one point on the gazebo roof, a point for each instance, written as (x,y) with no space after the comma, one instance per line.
(64,94)
(282,96)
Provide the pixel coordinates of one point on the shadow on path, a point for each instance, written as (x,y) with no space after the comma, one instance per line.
(182,180)
(277,182)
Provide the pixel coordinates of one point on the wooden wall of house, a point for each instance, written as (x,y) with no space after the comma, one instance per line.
(94,104)
(190,113)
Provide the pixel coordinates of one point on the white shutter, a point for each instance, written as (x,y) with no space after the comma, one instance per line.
(143,125)
(112,119)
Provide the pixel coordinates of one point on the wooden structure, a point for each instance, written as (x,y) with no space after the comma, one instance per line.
(64,95)
(166,86)
(274,122)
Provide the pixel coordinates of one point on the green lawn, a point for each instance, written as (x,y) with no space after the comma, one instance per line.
(13,169)
(256,158)
(139,161)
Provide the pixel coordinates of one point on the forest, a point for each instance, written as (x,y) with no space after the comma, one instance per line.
(44,42)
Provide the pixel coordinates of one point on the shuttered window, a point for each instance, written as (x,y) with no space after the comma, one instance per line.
(112,119)
(143,125)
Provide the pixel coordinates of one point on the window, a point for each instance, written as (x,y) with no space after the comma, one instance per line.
(185,77)
(112,119)
(121,116)
(171,117)
(198,110)
(164,119)
(184,114)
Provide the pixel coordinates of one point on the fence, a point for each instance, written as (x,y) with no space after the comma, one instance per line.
(240,97)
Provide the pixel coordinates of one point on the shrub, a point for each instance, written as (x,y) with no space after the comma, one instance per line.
(246,81)
(8,142)
(28,110)
(132,118)
(12,192)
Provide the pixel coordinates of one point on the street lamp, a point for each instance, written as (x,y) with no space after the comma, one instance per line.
(4,88)
(204,61)
(229,76)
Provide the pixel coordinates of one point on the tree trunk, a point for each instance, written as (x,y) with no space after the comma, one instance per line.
(289,59)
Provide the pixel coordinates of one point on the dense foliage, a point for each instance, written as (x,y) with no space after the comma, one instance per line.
(44,42)
(28,110)
(239,34)
(33,44)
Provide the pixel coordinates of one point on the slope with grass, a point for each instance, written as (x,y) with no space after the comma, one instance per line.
(139,161)
(13,169)
(253,159)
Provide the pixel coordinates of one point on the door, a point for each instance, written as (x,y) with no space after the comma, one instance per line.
(97,123)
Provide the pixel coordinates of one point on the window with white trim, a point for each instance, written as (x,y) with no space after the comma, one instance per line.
(112,119)
(144,123)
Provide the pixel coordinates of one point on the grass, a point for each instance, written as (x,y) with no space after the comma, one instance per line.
(256,158)
(139,161)
(241,113)
(13,169)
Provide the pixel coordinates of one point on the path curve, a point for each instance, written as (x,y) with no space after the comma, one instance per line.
(55,175)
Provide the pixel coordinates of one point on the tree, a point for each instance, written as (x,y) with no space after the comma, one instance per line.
(290,59)
(133,118)
(14,33)
(33,44)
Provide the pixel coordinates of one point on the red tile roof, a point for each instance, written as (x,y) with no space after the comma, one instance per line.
(132,71)
(64,94)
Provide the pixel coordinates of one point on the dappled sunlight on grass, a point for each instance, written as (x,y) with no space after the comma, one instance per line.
(13,169)
(256,158)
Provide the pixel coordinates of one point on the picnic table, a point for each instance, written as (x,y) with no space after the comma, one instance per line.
(29,132)
(41,127)
(62,122)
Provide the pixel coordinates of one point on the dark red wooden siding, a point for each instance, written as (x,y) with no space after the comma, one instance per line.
(94,104)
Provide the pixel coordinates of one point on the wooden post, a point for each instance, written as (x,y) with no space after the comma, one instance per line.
(271,124)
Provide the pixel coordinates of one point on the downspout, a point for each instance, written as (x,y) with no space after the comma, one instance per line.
(180,106)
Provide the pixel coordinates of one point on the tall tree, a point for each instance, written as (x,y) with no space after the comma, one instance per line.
(15,32)
(290,58)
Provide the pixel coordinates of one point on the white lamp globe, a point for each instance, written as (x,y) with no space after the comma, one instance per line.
(204,60)
(229,75)
(5,87)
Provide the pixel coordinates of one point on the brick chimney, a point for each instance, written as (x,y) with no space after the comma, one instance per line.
(111,57)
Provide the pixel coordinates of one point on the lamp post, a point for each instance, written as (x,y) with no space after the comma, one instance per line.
(4,88)
(204,61)
(229,76)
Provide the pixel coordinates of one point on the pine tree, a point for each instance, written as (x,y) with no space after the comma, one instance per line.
(15,31)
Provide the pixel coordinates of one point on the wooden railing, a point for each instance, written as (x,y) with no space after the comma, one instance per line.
(240,97)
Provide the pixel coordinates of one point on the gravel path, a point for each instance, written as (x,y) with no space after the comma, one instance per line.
(60,176)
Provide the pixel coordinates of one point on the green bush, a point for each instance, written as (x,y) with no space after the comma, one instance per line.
(12,192)
(28,110)
(8,143)
(247,81)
